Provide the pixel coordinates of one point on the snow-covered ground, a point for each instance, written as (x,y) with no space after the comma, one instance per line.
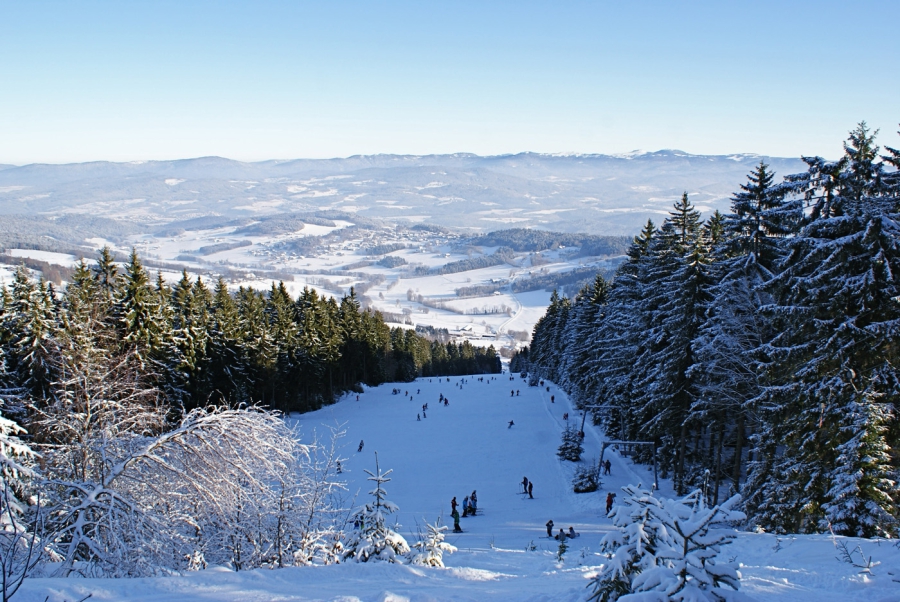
(504,552)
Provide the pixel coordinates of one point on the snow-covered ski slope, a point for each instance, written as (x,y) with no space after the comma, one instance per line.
(504,553)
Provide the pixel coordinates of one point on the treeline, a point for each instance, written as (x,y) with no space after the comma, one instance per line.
(528,240)
(205,346)
(758,350)
(499,257)
(222,246)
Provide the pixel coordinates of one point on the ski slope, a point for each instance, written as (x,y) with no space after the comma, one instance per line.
(504,552)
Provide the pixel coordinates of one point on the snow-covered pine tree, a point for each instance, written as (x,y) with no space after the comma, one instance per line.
(726,370)
(224,367)
(831,367)
(430,550)
(619,339)
(630,548)
(587,478)
(571,448)
(374,540)
(665,550)
(580,348)
(674,276)
(20,537)
(137,309)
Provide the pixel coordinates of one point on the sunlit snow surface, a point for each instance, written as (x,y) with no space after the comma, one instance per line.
(468,445)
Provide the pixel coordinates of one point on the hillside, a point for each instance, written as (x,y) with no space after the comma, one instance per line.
(464,446)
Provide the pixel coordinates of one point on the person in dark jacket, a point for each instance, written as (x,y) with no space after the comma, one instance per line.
(530,487)
(550,528)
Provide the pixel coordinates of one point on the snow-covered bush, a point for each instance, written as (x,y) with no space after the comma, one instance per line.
(665,550)
(429,551)
(206,487)
(372,538)
(587,478)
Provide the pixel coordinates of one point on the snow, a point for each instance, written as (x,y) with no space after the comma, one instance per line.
(48,256)
(468,445)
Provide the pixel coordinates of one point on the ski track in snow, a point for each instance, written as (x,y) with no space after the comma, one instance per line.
(467,446)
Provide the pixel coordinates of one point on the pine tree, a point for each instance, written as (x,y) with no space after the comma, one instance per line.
(831,365)
(571,447)
(374,540)
(137,309)
(430,550)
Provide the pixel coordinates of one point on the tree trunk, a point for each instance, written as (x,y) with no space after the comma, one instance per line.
(738,452)
(719,462)
(679,471)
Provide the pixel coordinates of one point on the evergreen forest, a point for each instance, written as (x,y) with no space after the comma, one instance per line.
(758,350)
(199,346)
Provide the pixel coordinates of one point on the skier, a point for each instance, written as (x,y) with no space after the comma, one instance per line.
(517,392)
(550,528)
(465,506)
(418,418)
(553,399)
(357,398)
(524,484)
(453,504)
(446,402)
(361,443)
(530,487)
(473,503)
(511,423)
(566,416)
(455,516)
(609,501)
(423,414)
(512,393)
(606,467)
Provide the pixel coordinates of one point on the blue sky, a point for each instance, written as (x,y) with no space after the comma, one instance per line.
(134,80)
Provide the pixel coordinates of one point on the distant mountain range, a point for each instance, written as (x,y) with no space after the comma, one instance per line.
(599,194)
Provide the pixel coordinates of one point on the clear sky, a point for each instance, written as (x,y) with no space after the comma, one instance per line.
(128,80)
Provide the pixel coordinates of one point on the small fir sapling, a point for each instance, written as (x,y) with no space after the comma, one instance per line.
(587,478)
(374,539)
(429,551)
(571,448)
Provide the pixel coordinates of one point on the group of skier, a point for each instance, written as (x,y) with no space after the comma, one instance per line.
(562,535)
(527,487)
(470,507)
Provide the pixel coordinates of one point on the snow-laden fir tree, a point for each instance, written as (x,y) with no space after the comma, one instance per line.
(833,383)
(571,448)
(430,550)
(20,543)
(373,539)
(665,550)
(587,478)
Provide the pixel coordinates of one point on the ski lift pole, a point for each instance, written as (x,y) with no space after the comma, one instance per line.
(584,410)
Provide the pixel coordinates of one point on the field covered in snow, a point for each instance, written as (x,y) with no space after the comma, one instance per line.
(504,552)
